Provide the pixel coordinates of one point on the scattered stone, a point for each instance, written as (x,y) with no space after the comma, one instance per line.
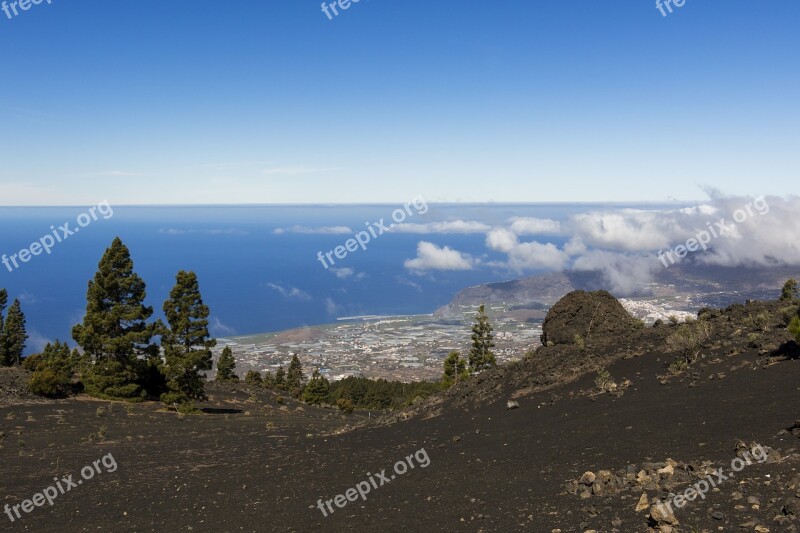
(644,503)
(661,514)
(511,404)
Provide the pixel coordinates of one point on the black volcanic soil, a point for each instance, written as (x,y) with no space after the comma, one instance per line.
(252,464)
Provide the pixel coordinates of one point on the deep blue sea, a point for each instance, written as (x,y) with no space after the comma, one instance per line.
(254,279)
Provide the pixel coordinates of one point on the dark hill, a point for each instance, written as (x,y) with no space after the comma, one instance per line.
(584,315)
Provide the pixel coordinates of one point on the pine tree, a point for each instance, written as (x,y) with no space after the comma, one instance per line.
(14,334)
(317,390)
(187,344)
(226,366)
(480,355)
(269,380)
(789,291)
(455,370)
(253,378)
(294,377)
(280,378)
(114,326)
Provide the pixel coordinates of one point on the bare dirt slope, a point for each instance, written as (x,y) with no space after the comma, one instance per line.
(251,464)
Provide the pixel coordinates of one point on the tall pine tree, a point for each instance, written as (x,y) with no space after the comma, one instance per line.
(226,366)
(317,390)
(455,370)
(789,291)
(114,331)
(480,355)
(294,377)
(114,325)
(187,344)
(14,335)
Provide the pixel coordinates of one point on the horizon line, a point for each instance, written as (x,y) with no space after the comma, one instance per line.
(372,204)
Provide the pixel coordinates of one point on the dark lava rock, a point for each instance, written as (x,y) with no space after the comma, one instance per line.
(587,315)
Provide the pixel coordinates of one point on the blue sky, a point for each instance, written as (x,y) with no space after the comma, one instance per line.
(270,102)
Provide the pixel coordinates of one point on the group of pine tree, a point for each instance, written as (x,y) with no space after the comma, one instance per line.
(12,331)
(120,359)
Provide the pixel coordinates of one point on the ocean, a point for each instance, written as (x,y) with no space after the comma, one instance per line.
(258,266)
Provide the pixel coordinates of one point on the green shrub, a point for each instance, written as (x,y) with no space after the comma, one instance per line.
(345,405)
(253,378)
(579,342)
(753,340)
(604,381)
(32,362)
(706,313)
(758,322)
(788,313)
(49,383)
(109,379)
(688,339)
(794,328)
(678,366)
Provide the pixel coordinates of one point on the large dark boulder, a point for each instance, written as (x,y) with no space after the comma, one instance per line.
(588,315)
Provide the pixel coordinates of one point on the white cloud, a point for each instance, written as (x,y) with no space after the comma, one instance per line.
(454,226)
(575,246)
(346,272)
(218,329)
(628,229)
(501,240)
(403,281)
(625,273)
(765,234)
(331,307)
(321,230)
(535,226)
(526,255)
(537,256)
(36,341)
(342,273)
(291,293)
(432,257)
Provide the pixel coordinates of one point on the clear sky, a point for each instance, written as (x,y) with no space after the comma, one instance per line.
(513,100)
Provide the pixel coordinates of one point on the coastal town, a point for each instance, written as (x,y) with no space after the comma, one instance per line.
(412,348)
(401,348)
